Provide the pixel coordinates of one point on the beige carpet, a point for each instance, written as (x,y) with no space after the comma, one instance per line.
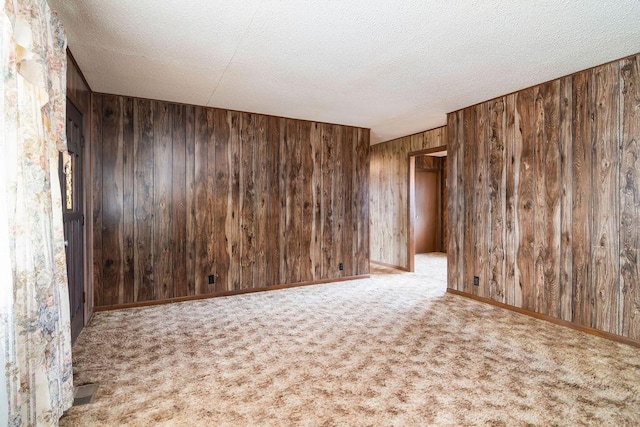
(390,350)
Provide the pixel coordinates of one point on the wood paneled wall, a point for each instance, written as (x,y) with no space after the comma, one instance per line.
(183,192)
(544,198)
(388,200)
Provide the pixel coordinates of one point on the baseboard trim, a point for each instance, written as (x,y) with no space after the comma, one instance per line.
(225,294)
(585,329)
(384,264)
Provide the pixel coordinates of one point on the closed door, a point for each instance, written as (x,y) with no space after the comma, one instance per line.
(426,219)
(73,216)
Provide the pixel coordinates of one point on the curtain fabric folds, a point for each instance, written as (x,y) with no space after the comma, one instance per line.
(35,338)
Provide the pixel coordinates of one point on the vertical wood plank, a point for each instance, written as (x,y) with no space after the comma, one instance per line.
(540,212)
(605,257)
(97,178)
(307,211)
(583,297)
(233,201)
(221,255)
(363,213)
(128,165)
(143,200)
(316,244)
(338,202)
(328,237)
(348,158)
(179,200)
(191,226)
(566,199)
(202,222)
(112,197)
(262,192)
(482,224)
(162,203)
(630,198)
(453,246)
(523,146)
(272,160)
(497,194)
(248,205)
(513,296)
(547,195)
(283,168)
(469,174)
(460,201)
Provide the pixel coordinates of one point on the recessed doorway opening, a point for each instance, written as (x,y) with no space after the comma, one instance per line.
(428,225)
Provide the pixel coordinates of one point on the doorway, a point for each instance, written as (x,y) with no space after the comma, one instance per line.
(70,167)
(427,203)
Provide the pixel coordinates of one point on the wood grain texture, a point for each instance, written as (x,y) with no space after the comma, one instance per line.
(469,176)
(388,194)
(96,197)
(195,191)
(191,225)
(162,202)
(566,199)
(128,165)
(143,202)
(513,295)
(179,201)
(453,243)
(481,220)
(362,207)
(567,175)
(497,210)
(630,198)
(112,197)
(581,200)
(605,256)
(523,148)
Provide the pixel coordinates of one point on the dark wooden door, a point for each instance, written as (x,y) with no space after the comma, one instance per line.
(73,216)
(426,220)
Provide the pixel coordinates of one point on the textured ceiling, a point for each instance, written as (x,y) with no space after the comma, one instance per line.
(396,67)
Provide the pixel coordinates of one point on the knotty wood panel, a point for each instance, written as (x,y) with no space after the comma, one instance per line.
(112,198)
(523,149)
(388,194)
(468,171)
(184,192)
(144,289)
(605,256)
(563,223)
(496,183)
(581,194)
(630,198)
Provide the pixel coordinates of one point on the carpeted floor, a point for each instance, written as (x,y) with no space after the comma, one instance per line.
(390,350)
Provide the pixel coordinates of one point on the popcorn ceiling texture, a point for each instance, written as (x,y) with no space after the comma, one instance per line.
(390,350)
(394,67)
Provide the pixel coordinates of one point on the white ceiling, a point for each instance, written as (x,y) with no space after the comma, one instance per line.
(396,67)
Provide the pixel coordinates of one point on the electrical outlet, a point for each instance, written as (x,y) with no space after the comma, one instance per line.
(476,281)
(341,266)
(212,279)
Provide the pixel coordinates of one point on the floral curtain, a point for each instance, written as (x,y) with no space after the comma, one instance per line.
(35,341)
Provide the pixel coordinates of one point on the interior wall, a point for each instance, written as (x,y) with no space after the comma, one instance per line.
(544,198)
(429,193)
(183,192)
(388,200)
(79,93)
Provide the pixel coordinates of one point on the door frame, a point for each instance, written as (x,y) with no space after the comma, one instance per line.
(411,200)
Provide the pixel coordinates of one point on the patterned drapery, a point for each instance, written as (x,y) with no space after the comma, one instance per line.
(35,341)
